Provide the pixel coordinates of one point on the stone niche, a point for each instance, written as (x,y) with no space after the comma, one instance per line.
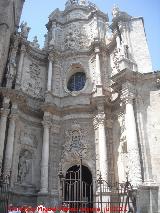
(28,143)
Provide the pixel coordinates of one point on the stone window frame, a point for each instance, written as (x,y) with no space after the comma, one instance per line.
(74,68)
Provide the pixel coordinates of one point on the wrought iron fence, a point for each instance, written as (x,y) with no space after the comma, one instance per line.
(77,195)
(4,194)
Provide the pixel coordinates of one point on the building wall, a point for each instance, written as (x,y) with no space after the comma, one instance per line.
(93,119)
(139,45)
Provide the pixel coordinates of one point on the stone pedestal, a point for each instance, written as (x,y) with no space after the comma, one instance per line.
(147,199)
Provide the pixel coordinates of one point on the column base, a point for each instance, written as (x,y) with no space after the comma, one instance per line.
(147,199)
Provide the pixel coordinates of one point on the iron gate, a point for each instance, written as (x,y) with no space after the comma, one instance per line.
(77,195)
(4,194)
(117,197)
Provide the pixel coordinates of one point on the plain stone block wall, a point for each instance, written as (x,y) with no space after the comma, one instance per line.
(139,45)
(147,199)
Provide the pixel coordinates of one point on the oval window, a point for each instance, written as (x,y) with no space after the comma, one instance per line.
(76,81)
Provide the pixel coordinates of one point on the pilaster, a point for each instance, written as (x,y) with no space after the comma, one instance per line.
(134,166)
(99,126)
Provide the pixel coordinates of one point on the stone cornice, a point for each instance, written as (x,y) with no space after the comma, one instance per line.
(125,75)
(13,95)
(91,14)
(25,102)
(37,54)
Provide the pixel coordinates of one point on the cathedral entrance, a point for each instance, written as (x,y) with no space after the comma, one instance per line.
(78,189)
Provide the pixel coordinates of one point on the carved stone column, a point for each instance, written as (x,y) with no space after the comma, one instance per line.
(10,141)
(98,68)
(134,165)
(3,121)
(99,124)
(50,70)
(45,153)
(20,67)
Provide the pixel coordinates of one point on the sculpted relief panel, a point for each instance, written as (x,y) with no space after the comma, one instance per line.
(75,36)
(76,145)
(33,79)
(28,138)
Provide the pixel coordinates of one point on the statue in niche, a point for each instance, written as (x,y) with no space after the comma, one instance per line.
(24,30)
(25,167)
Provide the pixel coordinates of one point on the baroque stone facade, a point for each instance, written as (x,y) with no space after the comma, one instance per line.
(91,93)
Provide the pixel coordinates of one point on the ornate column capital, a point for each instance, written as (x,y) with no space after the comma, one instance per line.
(50,58)
(97,50)
(4,111)
(14,112)
(109,123)
(98,119)
(53,56)
(23,48)
(47,119)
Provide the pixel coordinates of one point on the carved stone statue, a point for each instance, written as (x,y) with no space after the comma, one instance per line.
(45,41)
(24,167)
(35,42)
(24,30)
(82,2)
(12,64)
(115,11)
(74,1)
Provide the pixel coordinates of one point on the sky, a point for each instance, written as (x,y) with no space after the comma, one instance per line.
(36,12)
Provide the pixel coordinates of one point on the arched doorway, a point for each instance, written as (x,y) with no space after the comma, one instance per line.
(78,187)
